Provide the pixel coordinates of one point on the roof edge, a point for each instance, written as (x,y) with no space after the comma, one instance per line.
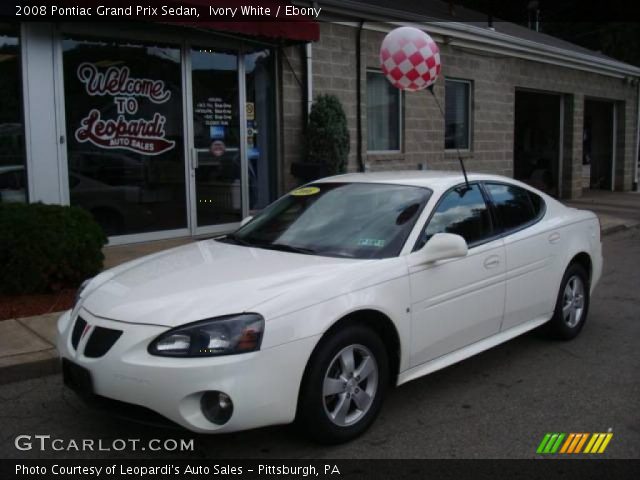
(496,41)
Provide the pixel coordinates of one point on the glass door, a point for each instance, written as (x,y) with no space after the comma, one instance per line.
(218,169)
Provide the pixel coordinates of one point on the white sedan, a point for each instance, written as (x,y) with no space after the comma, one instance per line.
(332,294)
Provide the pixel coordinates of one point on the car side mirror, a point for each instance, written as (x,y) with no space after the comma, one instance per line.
(246,220)
(442,246)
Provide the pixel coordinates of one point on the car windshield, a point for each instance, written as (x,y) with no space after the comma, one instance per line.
(354,220)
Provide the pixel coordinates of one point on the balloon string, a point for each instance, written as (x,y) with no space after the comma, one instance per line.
(464,170)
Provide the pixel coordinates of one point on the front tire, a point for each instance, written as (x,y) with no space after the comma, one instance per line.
(344,385)
(572,305)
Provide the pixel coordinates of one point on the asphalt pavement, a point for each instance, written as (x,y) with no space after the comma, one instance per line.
(498,404)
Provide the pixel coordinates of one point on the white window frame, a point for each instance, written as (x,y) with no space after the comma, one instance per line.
(400,118)
(469,119)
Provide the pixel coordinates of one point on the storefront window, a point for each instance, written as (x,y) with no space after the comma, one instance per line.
(13,179)
(259,68)
(125,134)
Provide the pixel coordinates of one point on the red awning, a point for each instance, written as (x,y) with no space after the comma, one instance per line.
(290,28)
(293,28)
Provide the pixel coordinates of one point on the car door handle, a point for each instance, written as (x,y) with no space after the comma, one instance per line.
(491,262)
(554,237)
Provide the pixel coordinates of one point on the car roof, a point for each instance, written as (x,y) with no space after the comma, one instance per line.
(436,180)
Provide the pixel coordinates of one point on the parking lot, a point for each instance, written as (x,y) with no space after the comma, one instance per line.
(498,404)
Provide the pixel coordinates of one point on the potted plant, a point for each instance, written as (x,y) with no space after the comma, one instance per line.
(326,141)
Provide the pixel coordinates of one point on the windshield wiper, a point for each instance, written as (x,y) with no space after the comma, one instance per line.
(287,248)
(232,237)
(237,240)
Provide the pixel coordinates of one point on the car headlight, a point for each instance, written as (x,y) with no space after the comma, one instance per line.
(81,288)
(226,335)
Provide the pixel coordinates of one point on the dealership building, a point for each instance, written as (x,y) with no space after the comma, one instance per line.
(165,131)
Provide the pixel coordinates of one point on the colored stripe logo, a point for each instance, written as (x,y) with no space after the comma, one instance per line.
(573,443)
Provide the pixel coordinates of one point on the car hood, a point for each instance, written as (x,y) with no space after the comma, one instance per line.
(203,280)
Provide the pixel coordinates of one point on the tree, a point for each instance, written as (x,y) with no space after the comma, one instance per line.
(327,136)
(619,40)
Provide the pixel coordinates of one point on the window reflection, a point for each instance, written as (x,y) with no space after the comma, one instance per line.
(457,114)
(261,119)
(216,131)
(513,205)
(125,133)
(13,179)
(462,212)
(383,113)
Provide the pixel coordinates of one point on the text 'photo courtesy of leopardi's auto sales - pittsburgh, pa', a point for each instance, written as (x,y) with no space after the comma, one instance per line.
(236,235)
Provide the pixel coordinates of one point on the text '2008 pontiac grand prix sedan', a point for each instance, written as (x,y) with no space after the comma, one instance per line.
(338,290)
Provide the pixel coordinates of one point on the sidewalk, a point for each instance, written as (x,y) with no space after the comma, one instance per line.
(27,345)
(616,210)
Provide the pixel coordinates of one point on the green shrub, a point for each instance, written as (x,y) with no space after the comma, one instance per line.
(327,138)
(47,247)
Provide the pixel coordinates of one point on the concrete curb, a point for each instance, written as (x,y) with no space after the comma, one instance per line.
(614,229)
(29,370)
(27,347)
(618,228)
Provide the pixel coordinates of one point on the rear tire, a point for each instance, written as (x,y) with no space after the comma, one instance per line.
(572,305)
(344,385)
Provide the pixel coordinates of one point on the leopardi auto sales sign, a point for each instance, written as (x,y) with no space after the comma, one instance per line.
(140,135)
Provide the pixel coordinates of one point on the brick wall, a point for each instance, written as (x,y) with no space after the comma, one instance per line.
(495,80)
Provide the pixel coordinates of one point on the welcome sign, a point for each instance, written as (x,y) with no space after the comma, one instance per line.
(140,135)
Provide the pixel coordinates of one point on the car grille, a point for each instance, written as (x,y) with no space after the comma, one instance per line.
(76,334)
(100,341)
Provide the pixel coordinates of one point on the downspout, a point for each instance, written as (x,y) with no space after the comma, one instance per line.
(308,48)
(637,157)
(309,64)
(361,165)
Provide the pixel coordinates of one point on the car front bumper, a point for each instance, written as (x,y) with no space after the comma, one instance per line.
(263,385)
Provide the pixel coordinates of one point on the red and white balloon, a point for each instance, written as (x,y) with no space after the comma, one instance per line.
(410,59)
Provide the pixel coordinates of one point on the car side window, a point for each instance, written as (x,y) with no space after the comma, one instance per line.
(538,204)
(515,206)
(461,211)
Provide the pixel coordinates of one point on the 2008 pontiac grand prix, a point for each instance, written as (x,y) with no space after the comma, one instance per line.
(310,311)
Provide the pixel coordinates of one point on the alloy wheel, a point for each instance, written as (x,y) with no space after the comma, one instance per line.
(573,301)
(350,385)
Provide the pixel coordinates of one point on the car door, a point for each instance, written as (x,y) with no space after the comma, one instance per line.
(530,248)
(460,301)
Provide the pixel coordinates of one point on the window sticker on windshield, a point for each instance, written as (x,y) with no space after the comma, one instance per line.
(304,191)
(371,242)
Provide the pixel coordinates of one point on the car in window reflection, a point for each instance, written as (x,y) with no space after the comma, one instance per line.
(13,187)
(331,295)
(117,208)
(108,167)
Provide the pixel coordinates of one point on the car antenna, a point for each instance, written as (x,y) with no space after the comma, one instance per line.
(464,170)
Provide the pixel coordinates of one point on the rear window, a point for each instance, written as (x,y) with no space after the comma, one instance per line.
(538,204)
(515,207)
